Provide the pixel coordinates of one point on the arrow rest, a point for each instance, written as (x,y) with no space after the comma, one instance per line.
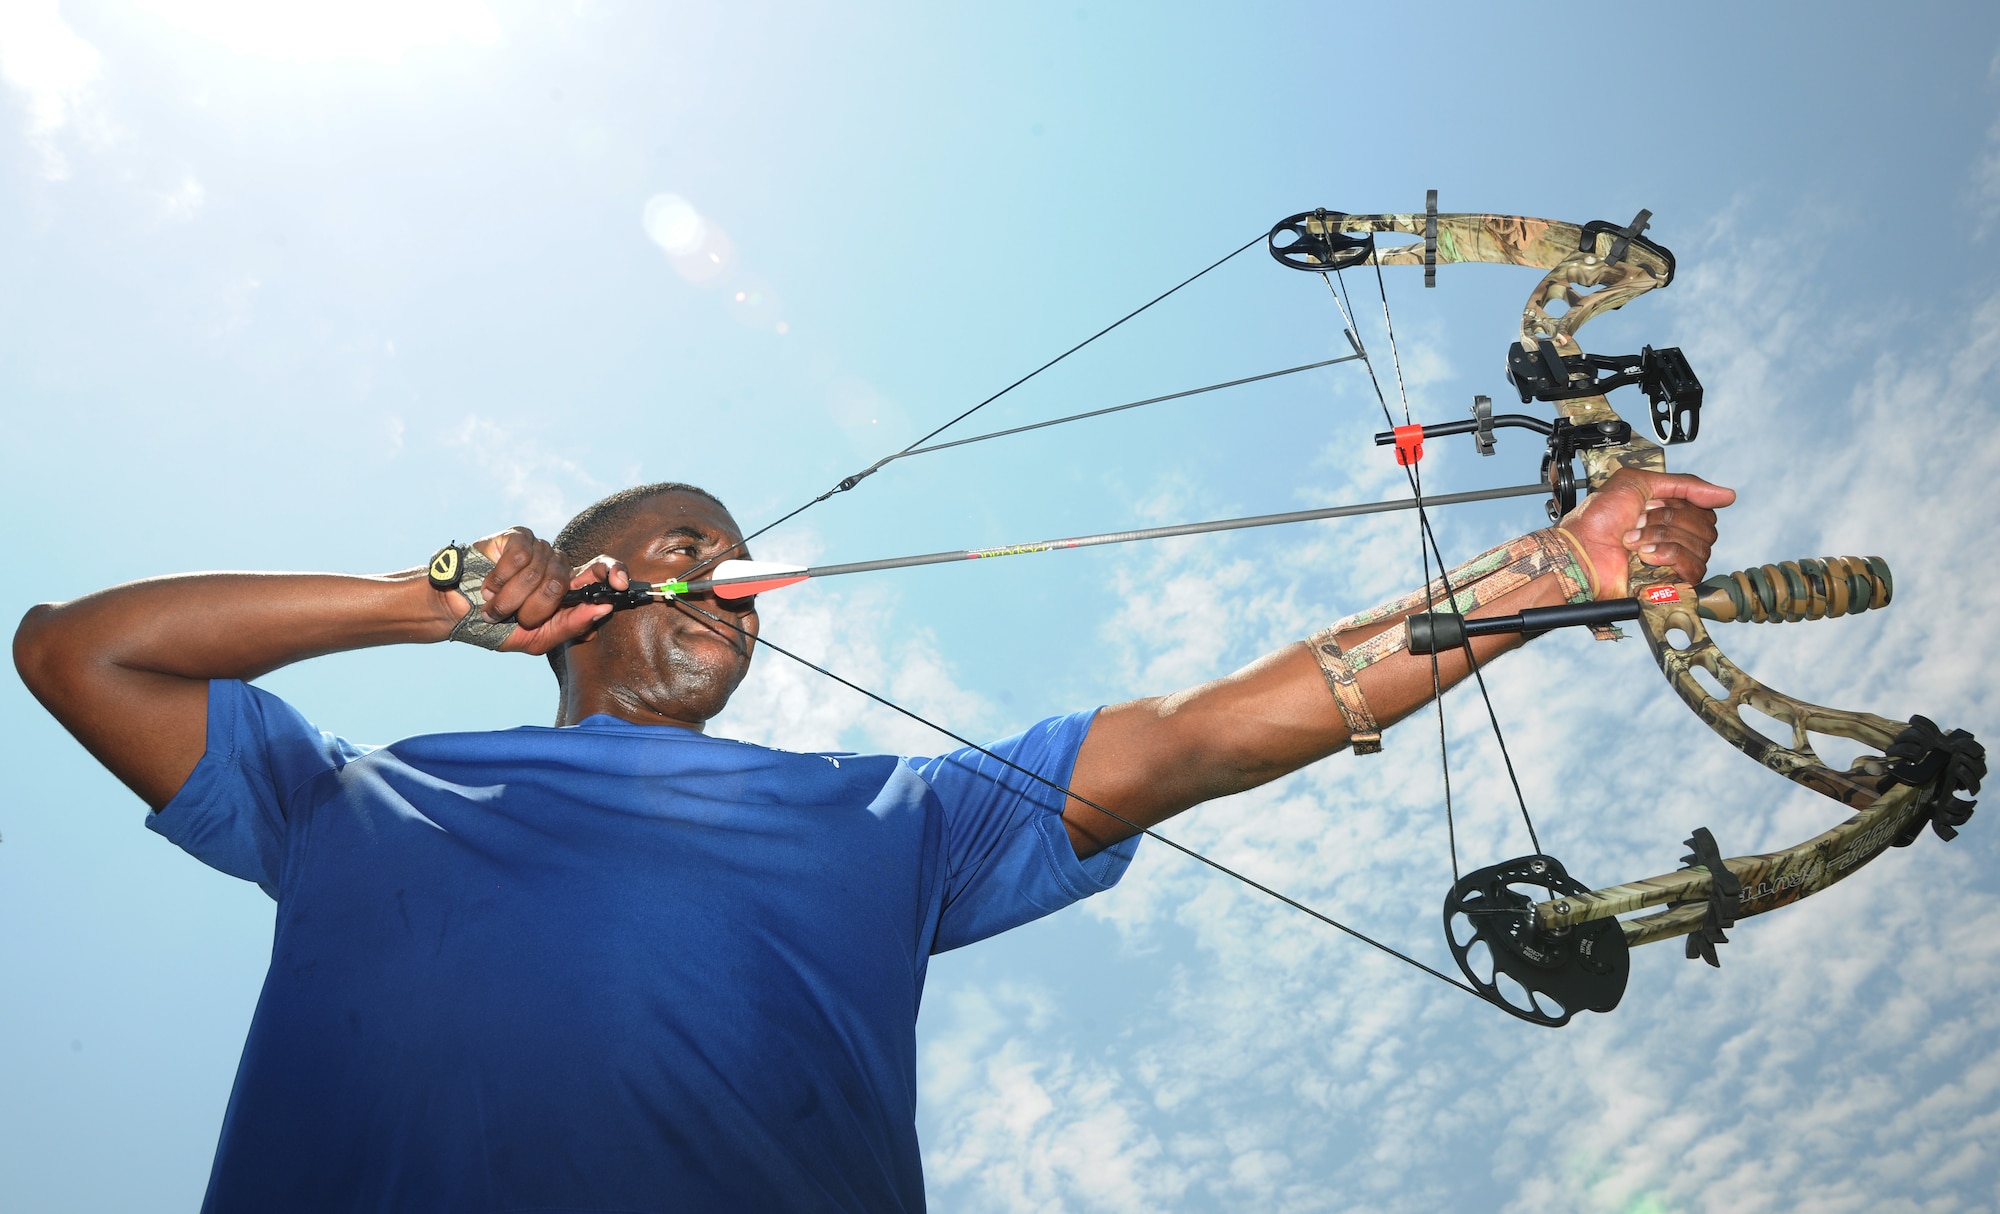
(1574,969)
(1566,438)
(1317,242)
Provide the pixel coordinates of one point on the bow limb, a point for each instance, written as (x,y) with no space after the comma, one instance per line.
(1888,813)
(1588,274)
(1583,280)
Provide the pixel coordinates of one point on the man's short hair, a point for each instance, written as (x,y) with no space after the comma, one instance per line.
(595,525)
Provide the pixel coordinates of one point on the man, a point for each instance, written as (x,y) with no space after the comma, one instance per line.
(620,965)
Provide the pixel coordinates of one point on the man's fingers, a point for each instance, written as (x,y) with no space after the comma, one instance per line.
(1669,486)
(1652,538)
(535,592)
(1688,563)
(544,595)
(566,625)
(1664,518)
(528,578)
(527,585)
(1699,523)
(602,569)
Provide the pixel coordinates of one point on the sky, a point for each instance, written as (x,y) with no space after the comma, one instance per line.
(318,285)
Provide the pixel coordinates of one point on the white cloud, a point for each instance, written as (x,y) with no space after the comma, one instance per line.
(308,30)
(782,703)
(1847,1056)
(56,72)
(239,305)
(1034,1133)
(184,200)
(543,488)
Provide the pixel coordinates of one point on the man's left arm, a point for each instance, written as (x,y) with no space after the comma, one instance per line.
(1149,759)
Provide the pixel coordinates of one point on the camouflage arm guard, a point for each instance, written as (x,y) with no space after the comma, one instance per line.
(473,627)
(1480,580)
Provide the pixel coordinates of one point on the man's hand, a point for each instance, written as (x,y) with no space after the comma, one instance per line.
(126,670)
(1667,518)
(527,585)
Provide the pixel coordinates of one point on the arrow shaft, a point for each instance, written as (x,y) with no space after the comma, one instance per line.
(1144,533)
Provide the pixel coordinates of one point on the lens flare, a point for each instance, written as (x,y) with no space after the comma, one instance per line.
(674,224)
(308,30)
(700,250)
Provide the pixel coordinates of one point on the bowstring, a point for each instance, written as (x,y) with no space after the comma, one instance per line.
(1055,786)
(1344,302)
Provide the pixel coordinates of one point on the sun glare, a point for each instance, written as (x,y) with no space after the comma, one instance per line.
(383,30)
(674,224)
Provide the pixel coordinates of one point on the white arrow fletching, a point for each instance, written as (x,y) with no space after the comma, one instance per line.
(754,577)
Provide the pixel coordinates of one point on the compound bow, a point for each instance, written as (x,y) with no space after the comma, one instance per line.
(1566,950)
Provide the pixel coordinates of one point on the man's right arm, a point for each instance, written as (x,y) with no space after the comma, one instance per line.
(126,670)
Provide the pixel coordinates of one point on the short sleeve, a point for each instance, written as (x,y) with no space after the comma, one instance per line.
(234,811)
(1008,859)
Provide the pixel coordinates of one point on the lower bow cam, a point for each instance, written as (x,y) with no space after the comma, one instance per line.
(1540,974)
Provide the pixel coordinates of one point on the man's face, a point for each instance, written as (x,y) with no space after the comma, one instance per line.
(667,661)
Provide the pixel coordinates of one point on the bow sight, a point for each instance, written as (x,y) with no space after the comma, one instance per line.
(1663,375)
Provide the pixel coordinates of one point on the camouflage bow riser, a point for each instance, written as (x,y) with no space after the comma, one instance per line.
(1584,279)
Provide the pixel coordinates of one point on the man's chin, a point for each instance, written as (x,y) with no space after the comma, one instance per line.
(706,672)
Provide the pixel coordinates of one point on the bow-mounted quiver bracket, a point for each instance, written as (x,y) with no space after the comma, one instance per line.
(1550,973)
(1430,238)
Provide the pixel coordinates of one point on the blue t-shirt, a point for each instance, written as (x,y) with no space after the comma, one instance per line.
(610,967)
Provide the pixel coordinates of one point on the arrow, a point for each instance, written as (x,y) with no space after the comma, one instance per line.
(741,579)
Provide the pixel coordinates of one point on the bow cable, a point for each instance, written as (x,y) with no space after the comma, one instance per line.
(849,482)
(1063,789)
(1427,547)
(1151,400)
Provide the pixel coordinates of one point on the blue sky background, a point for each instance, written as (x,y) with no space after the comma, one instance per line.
(321,286)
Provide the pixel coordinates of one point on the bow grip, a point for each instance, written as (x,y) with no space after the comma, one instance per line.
(1797,590)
